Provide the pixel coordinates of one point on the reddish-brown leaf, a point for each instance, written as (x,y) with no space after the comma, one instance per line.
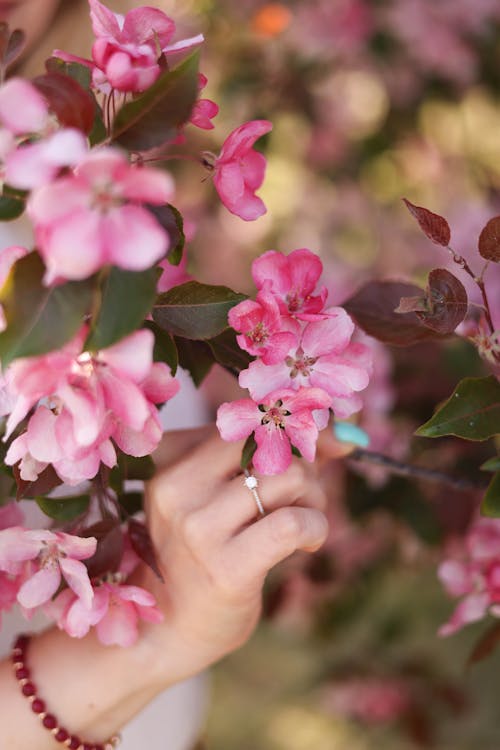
(446,302)
(489,240)
(143,546)
(15,46)
(47,480)
(412,304)
(373,308)
(109,551)
(434,226)
(73,106)
(485,645)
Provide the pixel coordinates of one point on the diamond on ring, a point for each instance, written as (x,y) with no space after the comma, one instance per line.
(251,483)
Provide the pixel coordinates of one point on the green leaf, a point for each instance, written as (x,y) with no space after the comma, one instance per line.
(171,220)
(228,353)
(10,208)
(126,298)
(131,502)
(130,467)
(165,349)
(64,508)
(491,501)
(248,451)
(492,464)
(472,412)
(196,357)
(39,318)
(82,74)
(155,116)
(195,311)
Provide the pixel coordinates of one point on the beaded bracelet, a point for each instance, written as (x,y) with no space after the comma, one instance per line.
(48,720)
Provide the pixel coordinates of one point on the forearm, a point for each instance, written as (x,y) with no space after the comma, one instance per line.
(93,690)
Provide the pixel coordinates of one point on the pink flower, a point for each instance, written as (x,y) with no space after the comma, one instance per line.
(204,110)
(23,109)
(323,357)
(374,700)
(34,164)
(10,515)
(93,217)
(9,588)
(24,113)
(475,578)
(292,279)
(263,330)
(172,275)
(87,401)
(115,612)
(281,419)
(239,170)
(54,554)
(127,48)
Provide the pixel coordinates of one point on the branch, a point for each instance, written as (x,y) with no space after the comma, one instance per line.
(410,470)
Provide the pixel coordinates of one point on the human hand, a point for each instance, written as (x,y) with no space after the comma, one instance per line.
(213,549)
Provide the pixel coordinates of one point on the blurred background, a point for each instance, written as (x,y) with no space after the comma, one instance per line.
(371,100)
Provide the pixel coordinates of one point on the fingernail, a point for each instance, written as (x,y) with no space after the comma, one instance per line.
(347,432)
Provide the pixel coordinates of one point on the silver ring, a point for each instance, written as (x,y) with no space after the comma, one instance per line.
(251,483)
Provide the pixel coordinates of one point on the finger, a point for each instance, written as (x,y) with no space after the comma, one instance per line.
(197,476)
(235,507)
(177,444)
(271,539)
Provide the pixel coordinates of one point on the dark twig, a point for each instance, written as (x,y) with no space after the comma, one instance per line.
(410,470)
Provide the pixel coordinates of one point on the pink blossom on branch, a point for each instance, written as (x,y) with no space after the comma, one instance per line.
(322,357)
(263,330)
(94,217)
(53,555)
(475,577)
(127,49)
(204,110)
(83,401)
(115,613)
(293,279)
(239,170)
(24,114)
(279,420)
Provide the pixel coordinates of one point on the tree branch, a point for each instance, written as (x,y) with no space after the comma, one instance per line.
(418,472)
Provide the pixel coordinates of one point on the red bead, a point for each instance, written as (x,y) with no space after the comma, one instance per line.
(38,706)
(62,735)
(28,689)
(22,673)
(86,746)
(75,742)
(49,721)
(98,747)
(21,642)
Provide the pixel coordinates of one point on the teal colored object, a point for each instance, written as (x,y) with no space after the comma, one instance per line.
(347,432)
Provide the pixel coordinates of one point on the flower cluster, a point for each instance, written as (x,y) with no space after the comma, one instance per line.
(127,52)
(34,563)
(305,361)
(475,577)
(85,367)
(85,404)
